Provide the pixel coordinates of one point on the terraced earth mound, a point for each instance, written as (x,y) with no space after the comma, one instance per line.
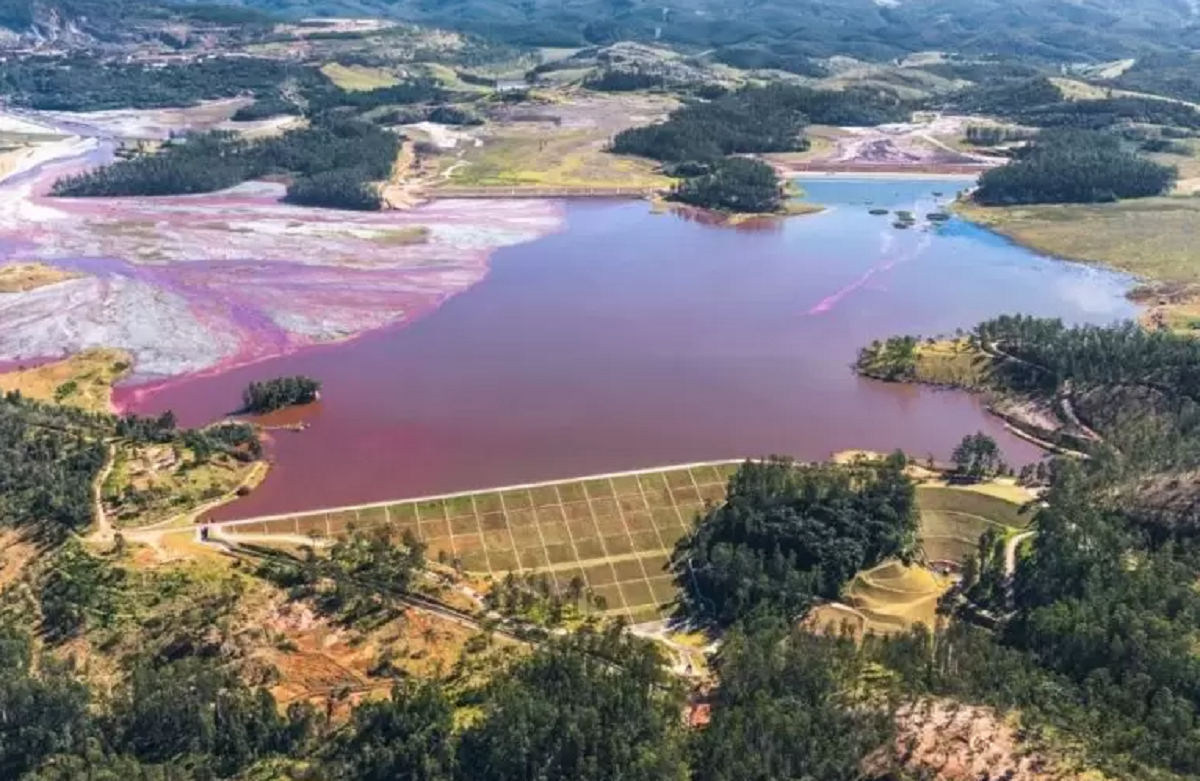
(892,597)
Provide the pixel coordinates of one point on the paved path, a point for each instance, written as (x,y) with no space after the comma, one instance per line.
(1010,563)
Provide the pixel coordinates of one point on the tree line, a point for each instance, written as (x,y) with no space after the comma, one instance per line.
(696,141)
(81,82)
(789,533)
(591,706)
(333,162)
(754,120)
(1037,102)
(1073,167)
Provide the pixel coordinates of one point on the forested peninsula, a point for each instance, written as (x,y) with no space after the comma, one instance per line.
(698,141)
(332,163)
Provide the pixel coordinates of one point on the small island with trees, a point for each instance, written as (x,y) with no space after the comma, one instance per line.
(278,393)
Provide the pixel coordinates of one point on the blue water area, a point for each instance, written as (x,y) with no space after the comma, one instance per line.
(882,193)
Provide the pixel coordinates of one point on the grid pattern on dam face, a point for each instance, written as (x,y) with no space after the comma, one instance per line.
(615,532)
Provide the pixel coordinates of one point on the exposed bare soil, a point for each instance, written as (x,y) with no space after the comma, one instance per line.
(957,742)
(20,277)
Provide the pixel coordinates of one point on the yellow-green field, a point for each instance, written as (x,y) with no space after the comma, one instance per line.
(549,158)
(1151,237)
(952,362)
(953,518)
(358,77)
(892,597)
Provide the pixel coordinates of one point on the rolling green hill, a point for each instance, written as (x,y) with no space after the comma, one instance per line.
(1044,29)
(83,22)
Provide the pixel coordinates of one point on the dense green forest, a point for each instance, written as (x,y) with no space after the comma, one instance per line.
(1173,75)
(333,163)
(787,534)
(609,80)
(1037,102)
(753,119)
(1137,387)
(50,455)
(559,713)
(47,465)
(1073,167)
(85,83)
(1087,645)
(278,393)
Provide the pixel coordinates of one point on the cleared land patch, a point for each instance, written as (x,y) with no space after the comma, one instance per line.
(556,145)
(893,597)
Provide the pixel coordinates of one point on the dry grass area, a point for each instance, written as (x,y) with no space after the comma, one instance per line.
(84,380)
(952,362)
(1152,238)
(358,77)
(20,277)
(559,144)
(153,483)
(524,157)
(1073,89)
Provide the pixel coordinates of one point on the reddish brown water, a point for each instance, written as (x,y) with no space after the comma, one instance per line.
(632,340)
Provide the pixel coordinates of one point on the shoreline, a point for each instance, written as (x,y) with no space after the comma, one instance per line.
(1155,297)
(878,175)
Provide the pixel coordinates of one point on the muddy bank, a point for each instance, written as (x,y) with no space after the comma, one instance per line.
(199,284)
